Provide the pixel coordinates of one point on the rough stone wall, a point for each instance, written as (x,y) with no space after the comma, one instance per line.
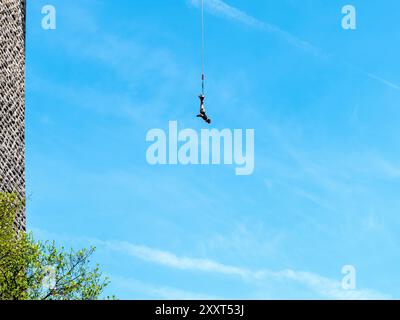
(12,100)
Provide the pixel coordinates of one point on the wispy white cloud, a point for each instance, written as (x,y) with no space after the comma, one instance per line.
(327,287)
(384,168)
(383,81)
(171,260)
(220,8)
(323,286)
(131,286)
(129,69)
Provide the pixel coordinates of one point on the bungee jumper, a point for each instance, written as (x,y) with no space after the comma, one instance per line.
(202,97)
(202,113)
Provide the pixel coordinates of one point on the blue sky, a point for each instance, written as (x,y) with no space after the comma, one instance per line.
(324,104)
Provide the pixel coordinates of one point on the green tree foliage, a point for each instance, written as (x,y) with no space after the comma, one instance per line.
(40,270)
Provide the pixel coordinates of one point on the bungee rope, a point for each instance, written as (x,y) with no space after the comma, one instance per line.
(203,77)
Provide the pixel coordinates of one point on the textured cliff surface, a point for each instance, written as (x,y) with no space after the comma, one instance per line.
(12,99)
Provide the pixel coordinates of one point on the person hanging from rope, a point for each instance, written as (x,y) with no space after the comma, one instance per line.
(202,113)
